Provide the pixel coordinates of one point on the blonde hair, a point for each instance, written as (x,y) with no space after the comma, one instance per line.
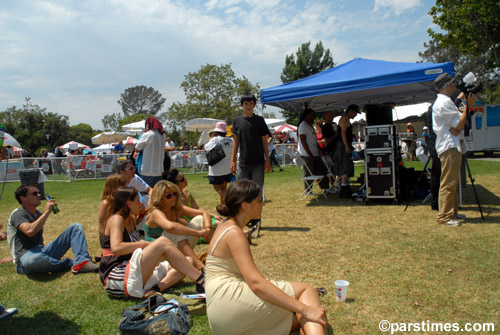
(158,193)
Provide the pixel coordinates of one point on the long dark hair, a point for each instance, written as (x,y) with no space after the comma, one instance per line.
(122,195)
(306,112)
(237,193)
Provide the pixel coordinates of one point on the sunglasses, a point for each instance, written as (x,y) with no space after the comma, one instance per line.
(170,195)
(181,180)
(35,193)
(130,168)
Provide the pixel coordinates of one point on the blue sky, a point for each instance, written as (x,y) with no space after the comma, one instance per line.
(76,57)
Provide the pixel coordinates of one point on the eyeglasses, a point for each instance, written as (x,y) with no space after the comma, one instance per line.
(130,168)
(35,193)
(170,195)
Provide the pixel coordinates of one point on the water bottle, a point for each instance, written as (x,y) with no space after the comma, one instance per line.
(2,133)
(55,209)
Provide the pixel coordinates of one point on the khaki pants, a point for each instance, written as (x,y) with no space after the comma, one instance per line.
(451,160)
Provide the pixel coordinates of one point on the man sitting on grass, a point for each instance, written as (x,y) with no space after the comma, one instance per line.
(25,236)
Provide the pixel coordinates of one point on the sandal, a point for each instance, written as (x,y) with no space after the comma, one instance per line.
(321,291)
(200,282)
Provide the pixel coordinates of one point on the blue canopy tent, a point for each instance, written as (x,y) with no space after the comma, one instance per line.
(360,81)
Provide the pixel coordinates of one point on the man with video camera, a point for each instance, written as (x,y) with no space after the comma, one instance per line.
(448,124)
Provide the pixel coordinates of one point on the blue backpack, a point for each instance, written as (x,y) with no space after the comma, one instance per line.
(154,316)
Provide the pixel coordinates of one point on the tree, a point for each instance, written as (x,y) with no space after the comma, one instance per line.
(302,64)
(141,100)
(306,62)
(81,133)
(214,92)
(470,26)
(111,122)
(34,127)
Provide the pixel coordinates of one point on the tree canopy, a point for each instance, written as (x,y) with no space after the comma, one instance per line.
(34,128)
(305,62)
(213,92)
(470,38)
(141,100)
(302,64)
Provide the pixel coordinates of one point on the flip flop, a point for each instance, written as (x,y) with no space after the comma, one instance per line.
(8,312)
(321,291)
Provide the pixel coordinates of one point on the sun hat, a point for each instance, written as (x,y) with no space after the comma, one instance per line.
(442,81)
(220,127)
(425,127)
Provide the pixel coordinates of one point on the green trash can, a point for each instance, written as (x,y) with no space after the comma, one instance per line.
(30,177)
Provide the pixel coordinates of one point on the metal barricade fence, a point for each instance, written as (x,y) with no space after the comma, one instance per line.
(81,167)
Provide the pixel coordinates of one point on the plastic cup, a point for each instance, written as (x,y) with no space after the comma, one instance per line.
(341,290)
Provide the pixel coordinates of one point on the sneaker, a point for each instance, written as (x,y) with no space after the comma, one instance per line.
(84,267)
(460,216)
(329,191)
(336,190)
(5,313)
(453,223)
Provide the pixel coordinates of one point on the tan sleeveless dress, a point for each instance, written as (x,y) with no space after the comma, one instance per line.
(233,308)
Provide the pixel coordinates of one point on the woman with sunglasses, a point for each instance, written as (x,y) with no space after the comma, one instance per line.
(176,177)
(165,218)
(112,184)
(239,299)
(131,266)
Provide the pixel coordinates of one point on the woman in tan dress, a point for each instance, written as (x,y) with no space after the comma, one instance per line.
(239,299)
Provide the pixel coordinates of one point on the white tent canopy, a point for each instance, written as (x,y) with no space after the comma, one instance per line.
(104,148)
(271,123)
(134,128)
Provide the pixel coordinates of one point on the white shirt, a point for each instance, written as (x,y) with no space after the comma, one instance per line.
(311,140)
(445,115)
(153,145)
(223,167)
(170,144)
(141,186)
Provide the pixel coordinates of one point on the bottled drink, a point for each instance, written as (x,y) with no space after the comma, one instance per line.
(55,209)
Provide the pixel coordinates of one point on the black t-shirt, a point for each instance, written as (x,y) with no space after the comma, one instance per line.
(328,132)
(250,131)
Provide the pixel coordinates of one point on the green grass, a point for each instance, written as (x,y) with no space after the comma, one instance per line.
(402,266)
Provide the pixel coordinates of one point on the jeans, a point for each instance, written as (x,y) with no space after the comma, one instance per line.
(252,172)
(44,259)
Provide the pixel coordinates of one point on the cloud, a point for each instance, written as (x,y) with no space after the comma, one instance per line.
(398,6)
(77,57)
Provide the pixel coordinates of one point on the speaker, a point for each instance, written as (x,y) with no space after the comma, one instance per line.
(377,115)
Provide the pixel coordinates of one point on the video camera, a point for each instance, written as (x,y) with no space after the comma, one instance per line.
(469,85)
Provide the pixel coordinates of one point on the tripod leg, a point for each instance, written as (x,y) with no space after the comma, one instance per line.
(412,196)
(474,188)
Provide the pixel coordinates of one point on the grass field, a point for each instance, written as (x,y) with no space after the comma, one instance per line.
(402,266)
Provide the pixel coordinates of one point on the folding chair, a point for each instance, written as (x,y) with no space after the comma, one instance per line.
(301,166)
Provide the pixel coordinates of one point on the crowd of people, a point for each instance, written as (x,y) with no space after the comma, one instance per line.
(150,224)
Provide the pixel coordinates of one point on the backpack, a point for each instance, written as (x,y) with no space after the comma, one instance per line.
(155,316)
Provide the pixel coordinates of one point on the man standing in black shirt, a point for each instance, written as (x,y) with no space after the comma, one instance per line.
(250,135)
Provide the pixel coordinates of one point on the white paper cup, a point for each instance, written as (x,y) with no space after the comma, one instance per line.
(341,290)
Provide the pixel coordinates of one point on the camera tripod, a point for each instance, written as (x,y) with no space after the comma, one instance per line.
(412,196)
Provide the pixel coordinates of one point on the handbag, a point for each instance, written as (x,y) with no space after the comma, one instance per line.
(154,316)
(215,155)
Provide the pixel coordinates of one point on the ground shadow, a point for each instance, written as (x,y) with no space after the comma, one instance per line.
(40,323)
(46,277)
